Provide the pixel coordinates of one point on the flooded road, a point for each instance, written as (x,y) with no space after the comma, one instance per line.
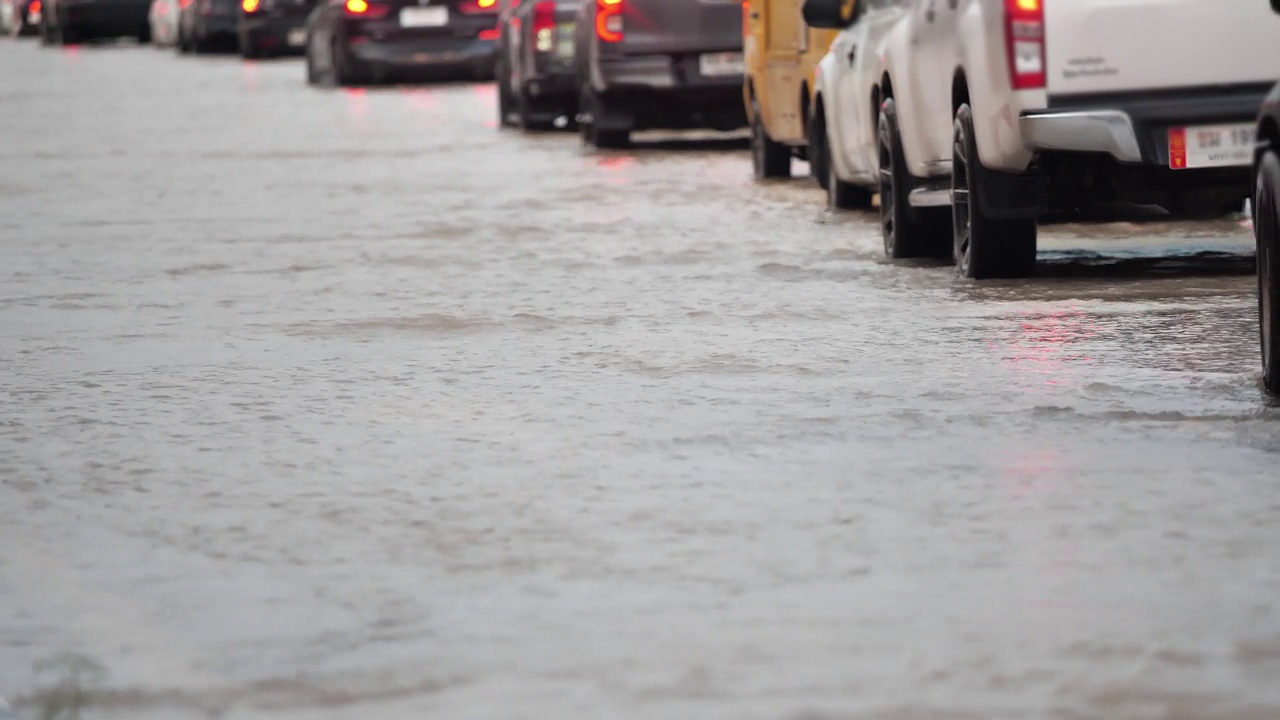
(335,404)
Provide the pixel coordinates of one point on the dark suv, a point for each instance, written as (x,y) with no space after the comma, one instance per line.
(70,21)
(273,27)
(660,64)
(537,84)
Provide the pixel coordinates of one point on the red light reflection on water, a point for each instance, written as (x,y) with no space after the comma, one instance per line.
(357,107)
(1042,344)
(249,73)
(616,167)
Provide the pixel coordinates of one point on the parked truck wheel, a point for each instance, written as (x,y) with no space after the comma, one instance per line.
(1267,230)
(769,159)
(601,126)
(983,247)
(506,100)
(907,232)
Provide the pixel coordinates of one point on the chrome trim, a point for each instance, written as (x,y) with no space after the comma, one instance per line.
(1108,131)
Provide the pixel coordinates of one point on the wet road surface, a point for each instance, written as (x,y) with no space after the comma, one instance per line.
(333,404)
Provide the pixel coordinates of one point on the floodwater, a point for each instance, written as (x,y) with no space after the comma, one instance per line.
(345,404)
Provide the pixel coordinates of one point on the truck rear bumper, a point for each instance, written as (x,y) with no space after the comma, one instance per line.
(1097,131)
(1134,127)
(669,92)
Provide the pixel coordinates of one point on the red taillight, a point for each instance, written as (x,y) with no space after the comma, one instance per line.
(609,20)
(544,26)
(365,9)
(34,8)
(184,3)
(250,6)
(1024,38)
(490,34)
(478,7)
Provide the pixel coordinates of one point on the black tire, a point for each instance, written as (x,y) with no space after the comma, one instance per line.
(769,159)
(506,101)
(595,107)
(144,34)
(983,247)
(533,117)
(67,34)
(345,73)
(1266,228)
(840,194)
(313,76)
(47,34)
(249,48)
(817,151)
(907,232)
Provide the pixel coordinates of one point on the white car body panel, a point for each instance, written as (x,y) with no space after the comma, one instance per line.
(1093,47)
(848,88)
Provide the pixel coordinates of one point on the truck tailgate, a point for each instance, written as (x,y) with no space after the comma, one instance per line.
(681,26)
(1099,46)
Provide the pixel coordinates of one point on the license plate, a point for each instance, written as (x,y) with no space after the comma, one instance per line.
(424,17)
(720,64)
(1209,146)
(297,37)
(564,48)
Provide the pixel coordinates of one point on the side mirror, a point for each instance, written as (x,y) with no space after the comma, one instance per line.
(839,14)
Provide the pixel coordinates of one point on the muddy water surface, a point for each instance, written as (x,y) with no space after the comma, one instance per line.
(346,404)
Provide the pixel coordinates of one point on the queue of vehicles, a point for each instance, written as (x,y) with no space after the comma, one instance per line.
(970,121)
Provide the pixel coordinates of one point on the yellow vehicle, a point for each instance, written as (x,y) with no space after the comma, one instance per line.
(781,53)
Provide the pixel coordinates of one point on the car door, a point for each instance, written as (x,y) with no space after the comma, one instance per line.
(857,52)
(934,24)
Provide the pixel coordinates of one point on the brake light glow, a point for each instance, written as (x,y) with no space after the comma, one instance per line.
(357,7)
(250,6)
(490,34)
(544,26)
(478,7)
(34,8)
(609,20)
(1024,39)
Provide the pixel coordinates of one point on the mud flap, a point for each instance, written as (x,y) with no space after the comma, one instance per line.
(1007,196)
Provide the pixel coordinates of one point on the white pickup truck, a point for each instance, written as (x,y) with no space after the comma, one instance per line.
(1008,110)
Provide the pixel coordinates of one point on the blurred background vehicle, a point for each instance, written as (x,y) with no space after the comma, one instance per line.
(846,107)
(20,17)
(658,64)
(781,54)
(1266,230)
(352,42)
(71,21)
(537,83)
(164,21)
(273,27)
(208,25)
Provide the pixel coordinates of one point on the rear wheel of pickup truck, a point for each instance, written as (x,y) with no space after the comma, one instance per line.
(600,126)
(769,159)
(984,247)
(1267,231)
(907,232)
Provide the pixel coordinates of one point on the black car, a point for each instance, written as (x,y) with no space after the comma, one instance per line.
(273,27)
(1266,229)
(661,64)
(537,82)
(71,21)
(352,42)
(205,25)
